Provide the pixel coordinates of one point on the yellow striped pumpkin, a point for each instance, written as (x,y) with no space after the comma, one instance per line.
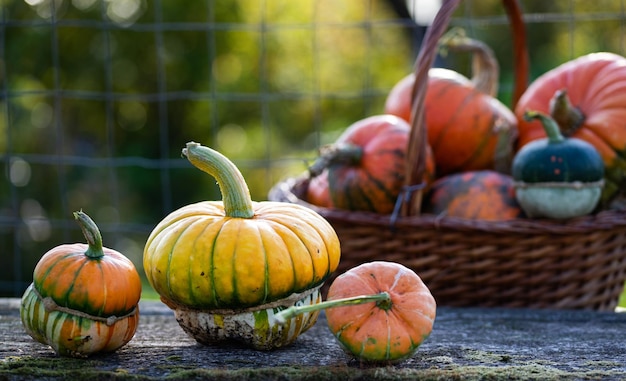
(225,267)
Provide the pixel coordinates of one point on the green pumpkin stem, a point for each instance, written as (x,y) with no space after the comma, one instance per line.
(235,192)
(549,125)
(568,117)
(92,235)
(343,153)
(383,300)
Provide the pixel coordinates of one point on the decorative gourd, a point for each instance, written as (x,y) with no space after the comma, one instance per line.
(557,177)
(226,267)
(84,297)
(378,311)
(467,127)
(480,195)
(587,98)
(365,167)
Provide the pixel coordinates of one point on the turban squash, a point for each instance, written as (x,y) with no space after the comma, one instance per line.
(587,98)
(84,297)
(226,267)
(557,177)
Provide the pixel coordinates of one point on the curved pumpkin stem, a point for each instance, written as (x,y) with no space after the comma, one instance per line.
(568,117)
(485,68)
(549,125)
(336,154)
(383,301)
(235,192)
(91,233)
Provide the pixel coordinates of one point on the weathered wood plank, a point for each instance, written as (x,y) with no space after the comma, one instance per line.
(465,344)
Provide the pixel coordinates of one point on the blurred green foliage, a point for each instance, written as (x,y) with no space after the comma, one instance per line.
(98,98)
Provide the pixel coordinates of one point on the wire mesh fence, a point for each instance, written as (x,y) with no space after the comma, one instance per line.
(97,97)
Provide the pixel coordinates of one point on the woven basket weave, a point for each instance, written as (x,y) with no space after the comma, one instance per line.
(574,264)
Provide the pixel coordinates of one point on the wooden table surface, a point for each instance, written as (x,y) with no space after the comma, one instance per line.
(466,343)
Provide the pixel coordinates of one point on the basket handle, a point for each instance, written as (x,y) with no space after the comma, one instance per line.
(416,158)
(411,197)
(521,61)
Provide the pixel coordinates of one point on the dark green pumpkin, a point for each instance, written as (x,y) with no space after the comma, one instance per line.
(557,177)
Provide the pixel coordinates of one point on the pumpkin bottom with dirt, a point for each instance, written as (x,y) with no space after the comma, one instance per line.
(72,333)
(255,327)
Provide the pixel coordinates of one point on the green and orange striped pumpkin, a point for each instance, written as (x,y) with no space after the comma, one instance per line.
(480,195)
(226,267)
(84,297)
(380,312)
(364,168)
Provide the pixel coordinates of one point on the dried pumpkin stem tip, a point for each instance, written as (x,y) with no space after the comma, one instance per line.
(383,300)
(91,233)
(235,192)
(549,125)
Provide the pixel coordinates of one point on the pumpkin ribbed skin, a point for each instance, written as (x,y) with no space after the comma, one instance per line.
(73,335)
(84,297)
(225,267)
(398,101)
(484,195)
(373,182)
(596,87)
(467,129)
(317,192)
(198,257)
(101,287)
(380,332)
(470,137)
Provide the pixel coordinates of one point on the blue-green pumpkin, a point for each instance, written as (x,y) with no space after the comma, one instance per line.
(557,177)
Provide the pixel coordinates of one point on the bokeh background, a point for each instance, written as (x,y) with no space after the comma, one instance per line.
(97,97)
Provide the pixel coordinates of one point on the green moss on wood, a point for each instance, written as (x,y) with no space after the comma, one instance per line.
(500,367)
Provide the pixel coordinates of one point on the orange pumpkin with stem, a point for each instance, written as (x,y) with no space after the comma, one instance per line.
(467,127)
(378,311)
(364,169)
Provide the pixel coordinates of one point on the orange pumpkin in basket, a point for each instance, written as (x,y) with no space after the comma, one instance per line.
(364,169)
(317,192)
(467,127)
(587,98)
(484,195)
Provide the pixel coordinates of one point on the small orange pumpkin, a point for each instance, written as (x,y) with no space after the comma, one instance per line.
(364,169)
(386,311)
(483,195)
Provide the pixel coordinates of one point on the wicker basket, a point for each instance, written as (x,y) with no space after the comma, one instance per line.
(531,263)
